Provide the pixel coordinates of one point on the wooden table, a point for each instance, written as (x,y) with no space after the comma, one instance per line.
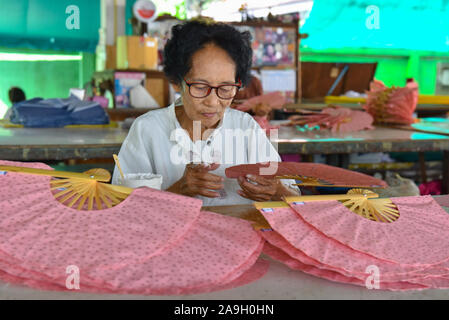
(422,110)
(30,144)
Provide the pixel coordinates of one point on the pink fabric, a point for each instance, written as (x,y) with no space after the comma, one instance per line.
(273,99)
(303,247)
(279,255)
(430,188)
(310,246)
(420,237)
(145,245)
(326,173)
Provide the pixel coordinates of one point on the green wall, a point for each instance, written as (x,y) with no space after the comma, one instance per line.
(45,79)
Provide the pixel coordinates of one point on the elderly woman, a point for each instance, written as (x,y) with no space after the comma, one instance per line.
(192,142)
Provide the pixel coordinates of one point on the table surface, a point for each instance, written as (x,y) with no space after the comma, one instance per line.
(380,139)
(280,282)
(59,143)
(81,143)
(359,106)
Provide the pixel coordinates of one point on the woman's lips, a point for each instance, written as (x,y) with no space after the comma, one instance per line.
(209,115)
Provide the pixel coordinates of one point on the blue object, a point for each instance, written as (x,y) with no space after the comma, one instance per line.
(56,113)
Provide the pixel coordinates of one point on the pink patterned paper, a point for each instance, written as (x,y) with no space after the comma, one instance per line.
(310,246)
(145,245)
(277,254)
(135,230)
(420,237)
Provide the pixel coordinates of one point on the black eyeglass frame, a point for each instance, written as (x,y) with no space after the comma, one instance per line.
(189,84)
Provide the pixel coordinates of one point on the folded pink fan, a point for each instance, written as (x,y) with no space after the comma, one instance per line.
(275,100)
(329,258)
(144,245)
(335,118)
(277,254)
(392,105)
(310,246)
(319,173)
(420,237)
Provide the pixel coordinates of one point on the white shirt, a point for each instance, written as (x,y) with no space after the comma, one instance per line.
(156,143)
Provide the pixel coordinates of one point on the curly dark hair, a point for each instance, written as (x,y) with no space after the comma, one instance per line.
(189,37)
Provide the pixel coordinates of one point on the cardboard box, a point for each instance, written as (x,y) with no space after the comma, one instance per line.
(111,57)
(134,52)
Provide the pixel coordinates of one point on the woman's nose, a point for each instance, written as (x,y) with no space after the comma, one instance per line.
(212,99)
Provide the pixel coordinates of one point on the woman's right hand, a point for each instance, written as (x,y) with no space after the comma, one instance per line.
(198,181)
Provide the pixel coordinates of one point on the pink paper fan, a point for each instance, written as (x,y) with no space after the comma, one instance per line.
(308,249)
(337,119)
(273,99)
(418,238)
(145,245)
(310,246)
(277,254)
(326,174)
(392,105)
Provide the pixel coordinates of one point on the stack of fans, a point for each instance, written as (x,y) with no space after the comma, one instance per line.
(327,240)
(393,105)
(152,243)
(336,119)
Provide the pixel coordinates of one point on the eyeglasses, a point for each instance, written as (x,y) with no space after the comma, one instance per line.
(202,90)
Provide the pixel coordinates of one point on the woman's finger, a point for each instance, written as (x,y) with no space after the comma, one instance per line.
(250,188)
(203,184)
(206,176)
(260,180)
(208,194)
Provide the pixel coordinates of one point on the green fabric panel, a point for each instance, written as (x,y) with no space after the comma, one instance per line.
(47,25)
(405,24)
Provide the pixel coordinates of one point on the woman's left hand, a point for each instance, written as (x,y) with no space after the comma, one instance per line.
(258,188)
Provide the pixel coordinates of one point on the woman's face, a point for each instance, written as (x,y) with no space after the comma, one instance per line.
(213,66)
